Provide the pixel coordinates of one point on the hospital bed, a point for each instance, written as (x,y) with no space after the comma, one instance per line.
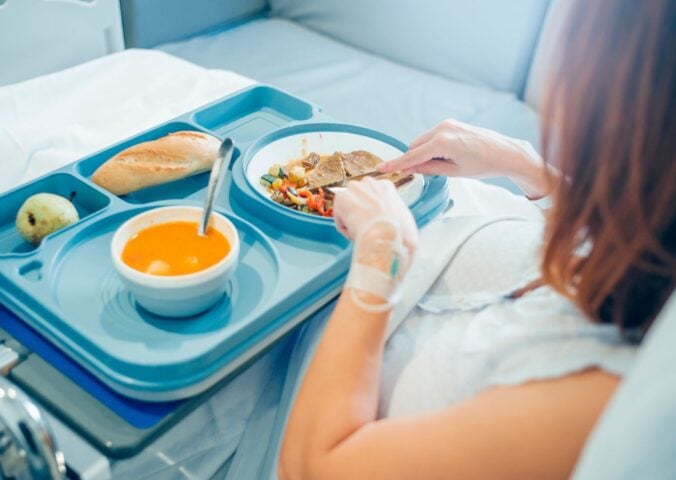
(348,57)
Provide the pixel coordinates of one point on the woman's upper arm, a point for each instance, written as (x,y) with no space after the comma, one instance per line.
(536,430)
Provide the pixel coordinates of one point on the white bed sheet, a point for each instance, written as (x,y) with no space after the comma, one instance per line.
(50,121)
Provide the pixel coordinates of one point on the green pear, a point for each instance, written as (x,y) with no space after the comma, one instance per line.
(42,214)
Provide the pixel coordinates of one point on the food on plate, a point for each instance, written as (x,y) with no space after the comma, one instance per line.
(329,170)
(174,248)
(173,157)
(360,162)
(303,184)
(42,214)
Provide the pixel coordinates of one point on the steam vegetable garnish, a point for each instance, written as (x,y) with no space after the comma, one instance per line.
(288,186)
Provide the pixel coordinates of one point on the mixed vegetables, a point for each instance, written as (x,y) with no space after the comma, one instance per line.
(288,186)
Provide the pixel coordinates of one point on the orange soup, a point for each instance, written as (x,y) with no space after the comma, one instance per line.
(174,248)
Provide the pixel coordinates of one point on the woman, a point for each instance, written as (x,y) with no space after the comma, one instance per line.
(521,382)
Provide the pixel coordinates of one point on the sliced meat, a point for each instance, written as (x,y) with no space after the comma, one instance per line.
(311,160)
(329,171)
(360,162)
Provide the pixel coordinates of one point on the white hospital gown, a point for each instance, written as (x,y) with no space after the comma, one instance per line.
(450,348)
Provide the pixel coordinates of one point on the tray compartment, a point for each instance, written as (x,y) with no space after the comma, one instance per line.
(116,334)
(253,113)
(178,190)
(169,191)
(87,201)
(306,254)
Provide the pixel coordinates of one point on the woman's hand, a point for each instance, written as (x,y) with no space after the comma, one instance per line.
(372,213)
(457,149)
(356,208)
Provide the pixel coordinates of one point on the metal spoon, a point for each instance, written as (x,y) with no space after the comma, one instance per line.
(215,180)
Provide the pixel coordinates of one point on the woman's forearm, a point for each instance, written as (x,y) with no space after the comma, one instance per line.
(530,172)
(339,393)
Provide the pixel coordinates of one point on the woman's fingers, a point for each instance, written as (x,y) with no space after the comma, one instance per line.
(365,189)
(368,199)
(410,159)
(437,167)
(365,196)
(340,226)
(424,138)
(343,204)
(448,125)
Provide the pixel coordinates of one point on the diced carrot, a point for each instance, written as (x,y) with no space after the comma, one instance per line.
(285,186)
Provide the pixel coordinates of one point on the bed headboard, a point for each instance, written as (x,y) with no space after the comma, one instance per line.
(42,36)
(488,42)
(148,23)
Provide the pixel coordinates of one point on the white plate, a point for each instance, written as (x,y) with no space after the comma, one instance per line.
(299,145)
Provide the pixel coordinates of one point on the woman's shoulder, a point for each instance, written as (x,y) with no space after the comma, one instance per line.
(542,335)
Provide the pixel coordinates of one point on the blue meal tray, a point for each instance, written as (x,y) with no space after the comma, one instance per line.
(290,264)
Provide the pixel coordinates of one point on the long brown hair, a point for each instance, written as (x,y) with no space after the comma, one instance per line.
(609,127)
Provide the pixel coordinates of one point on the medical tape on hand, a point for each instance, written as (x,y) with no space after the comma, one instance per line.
(371,280)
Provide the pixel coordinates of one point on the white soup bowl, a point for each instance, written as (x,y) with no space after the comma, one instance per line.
(176,295)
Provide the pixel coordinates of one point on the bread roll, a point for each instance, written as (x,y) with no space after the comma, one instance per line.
(170,158)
